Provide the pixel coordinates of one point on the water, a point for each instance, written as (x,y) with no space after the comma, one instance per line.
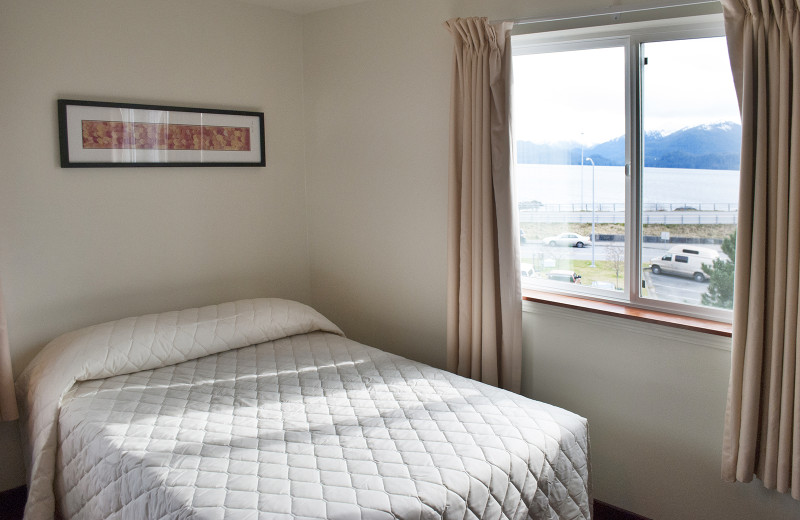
(561,184)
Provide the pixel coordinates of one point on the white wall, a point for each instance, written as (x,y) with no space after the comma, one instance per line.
(376,141)
(81,246)
(377,79)
(655,400)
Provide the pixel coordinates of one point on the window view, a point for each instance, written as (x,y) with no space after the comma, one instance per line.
(570,130)
(690,182)
(572,125)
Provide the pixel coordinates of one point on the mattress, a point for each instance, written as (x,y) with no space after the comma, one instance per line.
(307,425)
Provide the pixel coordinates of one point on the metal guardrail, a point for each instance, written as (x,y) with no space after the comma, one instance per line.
(614,213)
(620,206)
(619,218)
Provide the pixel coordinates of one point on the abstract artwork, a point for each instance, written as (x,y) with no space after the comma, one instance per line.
(100,134)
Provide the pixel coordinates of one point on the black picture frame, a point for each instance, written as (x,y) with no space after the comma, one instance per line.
(98,134)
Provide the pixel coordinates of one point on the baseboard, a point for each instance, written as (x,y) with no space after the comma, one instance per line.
(12,502)
(603,511)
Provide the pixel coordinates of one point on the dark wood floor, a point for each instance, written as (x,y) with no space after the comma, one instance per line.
(603,511)
(12,504)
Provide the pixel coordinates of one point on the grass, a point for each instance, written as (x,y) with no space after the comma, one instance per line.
(602,272)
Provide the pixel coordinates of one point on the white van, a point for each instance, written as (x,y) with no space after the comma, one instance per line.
(685,260)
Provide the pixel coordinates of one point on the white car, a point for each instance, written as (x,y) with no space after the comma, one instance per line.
(526,269)
(607,286)
(564,276)
(568,239)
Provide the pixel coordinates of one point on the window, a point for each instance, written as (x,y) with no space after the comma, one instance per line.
(627,156)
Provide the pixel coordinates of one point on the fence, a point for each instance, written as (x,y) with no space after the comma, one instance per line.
(614,213)
(619,218)
(620,206)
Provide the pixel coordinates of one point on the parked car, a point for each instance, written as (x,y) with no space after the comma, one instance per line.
(564,276)
(526,269)
(685,261)
(568,239)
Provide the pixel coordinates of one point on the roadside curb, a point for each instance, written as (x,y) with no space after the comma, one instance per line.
(657,239)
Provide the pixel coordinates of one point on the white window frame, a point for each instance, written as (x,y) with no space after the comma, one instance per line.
(631,36)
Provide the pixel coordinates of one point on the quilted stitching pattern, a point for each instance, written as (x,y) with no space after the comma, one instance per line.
(130,345)
(315,426)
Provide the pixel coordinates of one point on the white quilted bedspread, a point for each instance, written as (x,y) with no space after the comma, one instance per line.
(130,345)
(313,425)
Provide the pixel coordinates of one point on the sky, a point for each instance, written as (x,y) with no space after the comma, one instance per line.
(579,96)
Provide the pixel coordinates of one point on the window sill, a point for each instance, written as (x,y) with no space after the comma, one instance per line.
(632,313)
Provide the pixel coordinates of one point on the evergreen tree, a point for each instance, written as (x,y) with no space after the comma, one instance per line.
(720,285)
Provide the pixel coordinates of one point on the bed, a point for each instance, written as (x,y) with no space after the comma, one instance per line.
(263,409)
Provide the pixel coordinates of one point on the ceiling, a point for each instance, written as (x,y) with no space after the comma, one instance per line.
(303,6)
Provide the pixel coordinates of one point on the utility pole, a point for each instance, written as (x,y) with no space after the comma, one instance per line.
(591,161)
(582,172)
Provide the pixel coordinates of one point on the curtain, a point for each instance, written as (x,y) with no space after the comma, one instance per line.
(8,403)
(484,296)
(762,420)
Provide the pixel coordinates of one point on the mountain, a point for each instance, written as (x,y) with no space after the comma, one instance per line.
(711,147)
(707,147)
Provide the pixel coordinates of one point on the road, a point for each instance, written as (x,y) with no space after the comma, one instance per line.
(650,250)
(665,287)
(674,288)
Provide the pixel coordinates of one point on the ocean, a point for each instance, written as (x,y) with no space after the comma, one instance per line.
(561,185)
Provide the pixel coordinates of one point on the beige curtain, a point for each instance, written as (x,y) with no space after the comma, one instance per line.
(8,403)
(762,422)
(484,300)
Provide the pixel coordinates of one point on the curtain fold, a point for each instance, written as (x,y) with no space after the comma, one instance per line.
(762,419)
(484,302)
(8,402)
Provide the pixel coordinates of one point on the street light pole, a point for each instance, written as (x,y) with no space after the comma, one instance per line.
(593,240)
(582,161)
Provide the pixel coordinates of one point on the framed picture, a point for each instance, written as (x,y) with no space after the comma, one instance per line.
(100,135)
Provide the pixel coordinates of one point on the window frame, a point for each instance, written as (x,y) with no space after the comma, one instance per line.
(632,37)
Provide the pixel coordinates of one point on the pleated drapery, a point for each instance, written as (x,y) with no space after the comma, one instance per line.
(8,402)
(762,420)
(484,300)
